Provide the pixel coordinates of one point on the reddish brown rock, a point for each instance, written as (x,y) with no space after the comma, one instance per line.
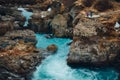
(60,26)
(94,53)
(18,54)
(52,48)
(95,40)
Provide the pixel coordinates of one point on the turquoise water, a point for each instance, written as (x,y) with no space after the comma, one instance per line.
(56,68)
(26,14)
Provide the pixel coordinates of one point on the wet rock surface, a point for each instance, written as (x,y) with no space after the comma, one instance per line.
(60,26)
(51,19)
(52,48)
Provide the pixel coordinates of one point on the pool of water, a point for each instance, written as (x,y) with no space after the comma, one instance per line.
(55,67)
(27,14)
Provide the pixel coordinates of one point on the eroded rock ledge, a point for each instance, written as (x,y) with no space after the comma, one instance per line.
(18,55)
(96,41)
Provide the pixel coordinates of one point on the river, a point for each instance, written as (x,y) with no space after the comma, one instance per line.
(55,67)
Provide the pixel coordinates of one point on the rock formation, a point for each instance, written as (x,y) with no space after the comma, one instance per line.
(52,48)
(18,54)
(95,40)
(10,19)
(95,43)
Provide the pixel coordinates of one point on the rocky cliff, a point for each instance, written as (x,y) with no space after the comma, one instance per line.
(90,23)
(95,39)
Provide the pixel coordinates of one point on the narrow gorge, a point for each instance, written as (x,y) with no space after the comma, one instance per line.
(59,40)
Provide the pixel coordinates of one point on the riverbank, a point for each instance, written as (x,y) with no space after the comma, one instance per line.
(91,25)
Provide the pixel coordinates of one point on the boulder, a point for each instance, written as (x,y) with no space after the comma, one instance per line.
(5,26)
(86,28)
(98,53)
(18,55)
(60,27)
(52,48)
(68,4)
(87,3)
(75,10)
(95,43)
(12,15)
(39,22)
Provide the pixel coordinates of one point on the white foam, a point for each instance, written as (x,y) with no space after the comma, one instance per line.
(56,68)
(117,25)
(49,9)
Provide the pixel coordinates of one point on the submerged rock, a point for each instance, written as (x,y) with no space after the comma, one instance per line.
(52,48)
(49,36)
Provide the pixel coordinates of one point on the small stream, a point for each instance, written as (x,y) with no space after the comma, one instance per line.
(55,67)
(26,14)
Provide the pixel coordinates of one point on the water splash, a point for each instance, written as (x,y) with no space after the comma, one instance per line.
(27,14)
(56,68)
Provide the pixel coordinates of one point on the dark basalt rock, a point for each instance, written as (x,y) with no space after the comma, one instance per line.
(10,19)
(17,2)
(39,25)
(68,4)
(7,75)
(87,3)
(5,10)
(5,26)
(103,5)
